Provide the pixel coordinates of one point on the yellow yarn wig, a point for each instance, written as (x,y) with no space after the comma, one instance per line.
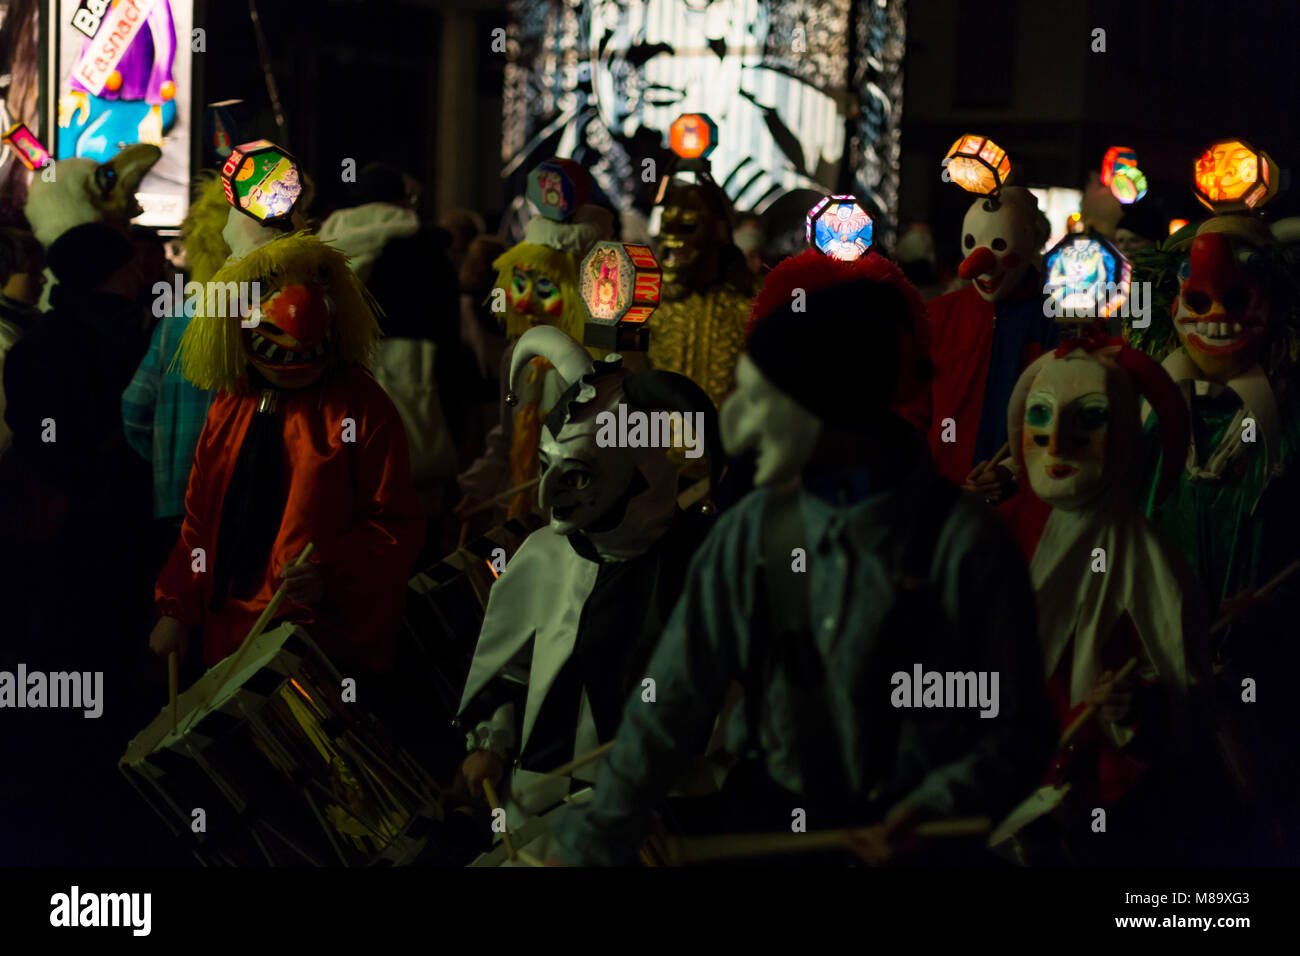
(560,268)
(205,249)
(212,349)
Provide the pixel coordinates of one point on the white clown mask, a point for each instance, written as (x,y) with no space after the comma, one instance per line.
(1002,241)
(759,415)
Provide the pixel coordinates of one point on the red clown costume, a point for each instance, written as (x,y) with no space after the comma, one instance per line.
(985,334)
(301,445)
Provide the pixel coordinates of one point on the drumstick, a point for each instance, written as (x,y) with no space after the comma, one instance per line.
(497,499)
(564,770)
(1001,455)
(1086,714)
(491,793)
(1272,583)
(172,681)
(683,850)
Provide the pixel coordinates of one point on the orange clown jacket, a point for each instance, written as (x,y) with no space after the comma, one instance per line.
(355,499)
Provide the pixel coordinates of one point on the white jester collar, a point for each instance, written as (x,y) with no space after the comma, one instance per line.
(1257,401)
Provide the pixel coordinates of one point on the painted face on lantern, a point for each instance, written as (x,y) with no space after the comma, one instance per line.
(1067,427)
(581,481)
(1220,313)
(759,415)
(998,247)
(290,344)
(691,234)
(534,299)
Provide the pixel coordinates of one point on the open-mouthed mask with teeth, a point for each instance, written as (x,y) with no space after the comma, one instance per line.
(1220,312)
(290,345)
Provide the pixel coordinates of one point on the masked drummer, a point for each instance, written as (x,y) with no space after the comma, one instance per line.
(816,596)
(301,445)
(575,616)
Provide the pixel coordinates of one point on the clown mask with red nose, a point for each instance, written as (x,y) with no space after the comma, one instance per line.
(1221,310)
(1002,239)
(289,344)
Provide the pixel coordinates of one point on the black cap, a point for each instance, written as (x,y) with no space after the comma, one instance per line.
(86,255)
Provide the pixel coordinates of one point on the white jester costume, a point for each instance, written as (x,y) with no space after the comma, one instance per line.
(1108,588)
(579,608)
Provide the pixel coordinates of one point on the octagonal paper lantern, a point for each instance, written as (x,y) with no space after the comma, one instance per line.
(693,136)
(557,187)
(619,282)
(1117,157)
(1128,185)
(978,165)
(27,147)
(840,228)
(1087,278)
(262,180)
(1233,176)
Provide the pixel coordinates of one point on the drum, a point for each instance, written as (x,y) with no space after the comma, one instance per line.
(284,771)
(445,605)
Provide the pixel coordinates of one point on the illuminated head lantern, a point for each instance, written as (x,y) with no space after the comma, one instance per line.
(1087,278)
(601,477)
(310,313)
(839,227)
(620,285)
(693,136)
(978,165)
(1002,239)
(262,180)
(537,279)
(1233,176)
(1074,426)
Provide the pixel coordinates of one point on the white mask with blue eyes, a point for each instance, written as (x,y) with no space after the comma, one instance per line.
(1066,433)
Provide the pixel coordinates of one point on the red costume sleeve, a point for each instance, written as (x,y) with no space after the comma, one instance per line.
(178,591)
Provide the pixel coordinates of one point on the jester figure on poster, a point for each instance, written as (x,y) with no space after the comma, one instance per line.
(121,89)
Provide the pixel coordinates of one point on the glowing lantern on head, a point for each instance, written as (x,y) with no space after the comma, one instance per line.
(27,147)
(619,282)
(1117,158)
(693,136)
(1128,185)
(557,187)
(977,165)
(839,227)
(262,180)
(1176,224)
(1087,278)
(1233,176)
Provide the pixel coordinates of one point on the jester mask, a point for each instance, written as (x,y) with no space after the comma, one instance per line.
(589,483)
